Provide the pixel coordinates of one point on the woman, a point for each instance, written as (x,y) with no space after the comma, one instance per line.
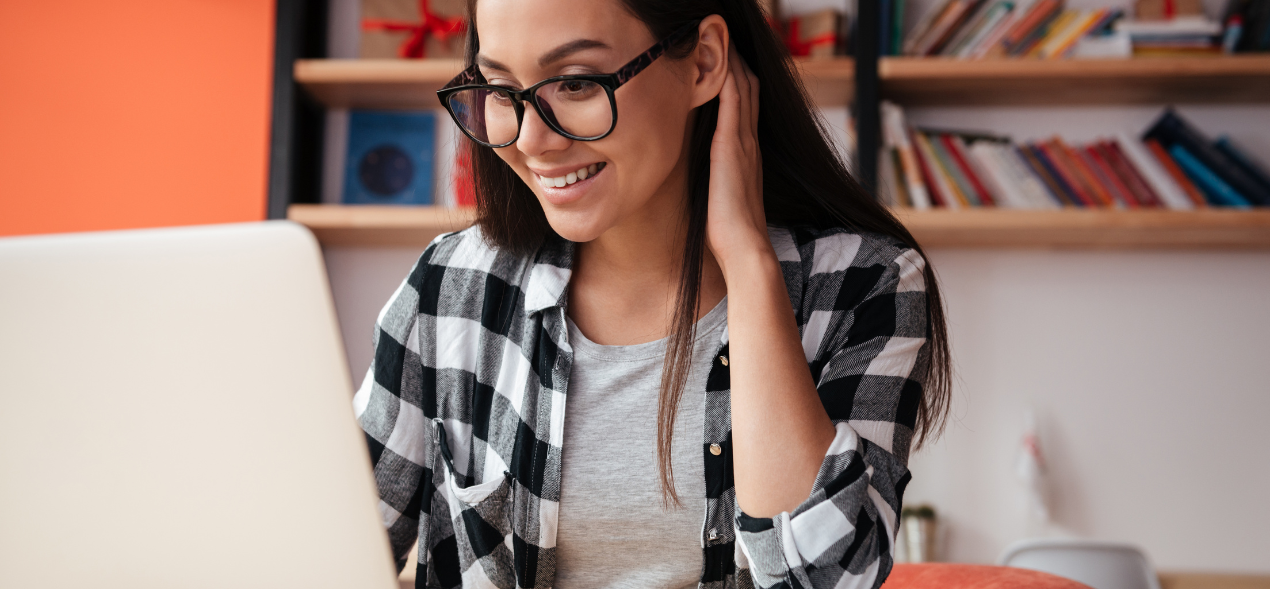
(683,349)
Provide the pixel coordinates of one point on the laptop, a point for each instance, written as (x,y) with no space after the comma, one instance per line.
(176,411)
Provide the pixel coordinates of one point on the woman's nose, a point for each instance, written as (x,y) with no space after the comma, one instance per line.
(536,138)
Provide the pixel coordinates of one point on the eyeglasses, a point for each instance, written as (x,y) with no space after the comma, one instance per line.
(580,107)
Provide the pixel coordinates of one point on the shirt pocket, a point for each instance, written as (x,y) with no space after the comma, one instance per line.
(481,515)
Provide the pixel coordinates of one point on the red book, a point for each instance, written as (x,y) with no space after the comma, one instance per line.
(935,196)
(1166,160)
(954,146)
(1130,176)
(1087,175)
(1118,190)
(1057,156)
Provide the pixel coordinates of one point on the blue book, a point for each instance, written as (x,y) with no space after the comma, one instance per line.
(390,157)
(1216,189)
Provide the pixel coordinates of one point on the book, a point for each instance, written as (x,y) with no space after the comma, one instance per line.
(1111,183)
(1246,162)
(1129,175)
(1041,13)
(1169,192)
(935,179)
(1064,40)
(1006,192)
(1056,152)
(1093,184)
(1033,39)
(944,165)
(917,37)
(957,149)
(994,38)
(1037,192)
(1162,156)
(389,158)
(1038,167)
(1216,188)
(968,27)
(895,134)
(1060,176)
(998,14)
(1172,129)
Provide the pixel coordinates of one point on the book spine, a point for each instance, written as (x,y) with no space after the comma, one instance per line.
(1132,198)
(1141,190)
(901,185)
(1213,185)
(1000,13)
(992,43)
(917,37)
(1004,191)
(1171,128)
(1060,155)
(957,148)
(1166,160)
(1024,25)
(1065,182)
(1244,161)
(1021,172)
(944,163)
(1119,192)
(1168,191)
(935,179)
(1029,43)
(895,132)
(1030,155)
(1087,175)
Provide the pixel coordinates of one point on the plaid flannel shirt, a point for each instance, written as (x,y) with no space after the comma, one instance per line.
(464,407)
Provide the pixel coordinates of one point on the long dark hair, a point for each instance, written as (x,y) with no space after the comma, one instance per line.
(805,183)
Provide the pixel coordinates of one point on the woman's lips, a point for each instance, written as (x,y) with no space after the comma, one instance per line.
(571,186)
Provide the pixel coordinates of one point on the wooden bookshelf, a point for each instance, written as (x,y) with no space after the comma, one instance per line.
(410,84)
(1149,80)
(381,226)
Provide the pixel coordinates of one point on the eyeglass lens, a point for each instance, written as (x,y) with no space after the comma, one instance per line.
(578,107)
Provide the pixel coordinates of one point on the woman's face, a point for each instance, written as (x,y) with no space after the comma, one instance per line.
(637,168)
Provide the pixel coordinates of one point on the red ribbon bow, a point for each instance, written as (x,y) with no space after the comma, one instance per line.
(415,45)
(798,47)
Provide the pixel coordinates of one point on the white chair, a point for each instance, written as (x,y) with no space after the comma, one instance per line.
(1100,565)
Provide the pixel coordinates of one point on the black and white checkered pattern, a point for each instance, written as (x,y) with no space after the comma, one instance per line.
(464,408)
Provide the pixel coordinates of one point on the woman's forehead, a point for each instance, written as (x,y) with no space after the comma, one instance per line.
(521,32)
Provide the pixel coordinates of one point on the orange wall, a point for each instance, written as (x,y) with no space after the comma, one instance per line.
(133,113)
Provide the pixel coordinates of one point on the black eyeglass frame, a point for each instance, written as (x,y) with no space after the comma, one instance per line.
(471,79)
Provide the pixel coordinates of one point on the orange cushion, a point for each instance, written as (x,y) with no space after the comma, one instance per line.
(967,576)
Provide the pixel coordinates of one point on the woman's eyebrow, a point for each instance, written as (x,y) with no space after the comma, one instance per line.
(548,58)
(568,49)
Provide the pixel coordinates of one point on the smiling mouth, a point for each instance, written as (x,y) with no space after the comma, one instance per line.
(572,177)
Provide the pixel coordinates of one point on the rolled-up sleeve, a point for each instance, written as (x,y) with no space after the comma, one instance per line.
(867,322)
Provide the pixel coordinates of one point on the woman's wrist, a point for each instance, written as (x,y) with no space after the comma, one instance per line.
(748,263)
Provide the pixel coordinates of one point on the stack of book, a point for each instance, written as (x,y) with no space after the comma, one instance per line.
(973,29)
(1171,166)
(1182,35)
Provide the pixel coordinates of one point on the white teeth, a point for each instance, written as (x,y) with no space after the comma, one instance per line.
(570,178)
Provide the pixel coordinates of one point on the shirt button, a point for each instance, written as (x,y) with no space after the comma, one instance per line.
(714,534)
(716,449)
(724,360)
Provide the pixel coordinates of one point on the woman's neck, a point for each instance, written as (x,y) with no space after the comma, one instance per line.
(625,282)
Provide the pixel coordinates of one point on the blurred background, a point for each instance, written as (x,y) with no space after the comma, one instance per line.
(1108,304)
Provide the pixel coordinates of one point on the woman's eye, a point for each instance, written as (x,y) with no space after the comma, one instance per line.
(500,99)
(576,89)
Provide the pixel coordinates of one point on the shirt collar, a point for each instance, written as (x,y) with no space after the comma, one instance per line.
(549,275)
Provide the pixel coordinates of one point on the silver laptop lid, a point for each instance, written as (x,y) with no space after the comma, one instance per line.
(175,411)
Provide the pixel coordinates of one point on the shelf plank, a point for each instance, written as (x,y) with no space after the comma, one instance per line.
(386,226)
(1090,229)
(379,226)
(1149,80)
(412,84)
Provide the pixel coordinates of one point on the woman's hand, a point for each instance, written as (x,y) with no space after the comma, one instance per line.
(736,227)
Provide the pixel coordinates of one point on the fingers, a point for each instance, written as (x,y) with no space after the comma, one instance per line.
(747,88)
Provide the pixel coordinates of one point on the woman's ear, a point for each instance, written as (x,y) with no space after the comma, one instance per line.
(710,59)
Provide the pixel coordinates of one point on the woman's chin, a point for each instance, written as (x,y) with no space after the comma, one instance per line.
(577,225)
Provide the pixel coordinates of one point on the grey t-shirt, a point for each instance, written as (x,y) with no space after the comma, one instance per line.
(613,531)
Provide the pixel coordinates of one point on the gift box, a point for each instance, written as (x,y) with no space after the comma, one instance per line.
(815,34)
(1166,9)
(413,28)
